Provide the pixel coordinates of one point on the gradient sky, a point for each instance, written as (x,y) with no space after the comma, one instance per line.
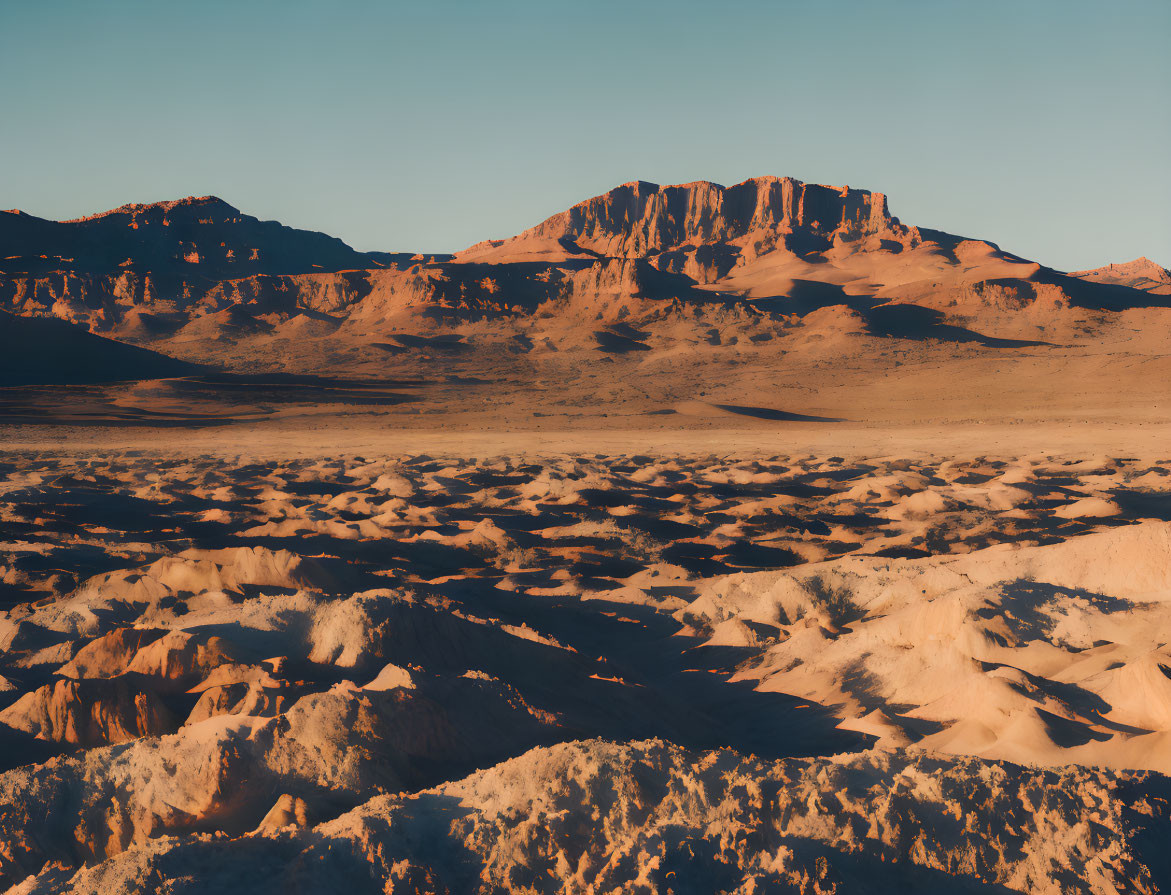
(1042,125)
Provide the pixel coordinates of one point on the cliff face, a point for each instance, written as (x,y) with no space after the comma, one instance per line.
(639,219)
(104,302)
(702,229)
(459,292)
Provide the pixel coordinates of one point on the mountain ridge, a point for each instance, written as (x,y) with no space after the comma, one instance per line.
(197,271)
(164,205)
(197,237)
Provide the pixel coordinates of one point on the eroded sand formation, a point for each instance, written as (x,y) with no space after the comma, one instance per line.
(282,675)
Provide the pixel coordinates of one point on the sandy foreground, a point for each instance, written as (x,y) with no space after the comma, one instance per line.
(712,653)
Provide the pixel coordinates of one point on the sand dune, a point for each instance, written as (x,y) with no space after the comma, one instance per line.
(1010,653)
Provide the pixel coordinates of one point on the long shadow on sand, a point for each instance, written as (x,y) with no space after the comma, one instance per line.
(215,399)
(767,413)
(651,681)
(918,323)
(895,321)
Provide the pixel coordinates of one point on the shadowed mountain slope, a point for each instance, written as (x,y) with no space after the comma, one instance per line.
(38,351)
(196,236)
(166,259)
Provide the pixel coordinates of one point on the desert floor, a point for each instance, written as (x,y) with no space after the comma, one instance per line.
(301,642)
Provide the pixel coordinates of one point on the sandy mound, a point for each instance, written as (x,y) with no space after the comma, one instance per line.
(1035,654)
(238,665)
(596,816)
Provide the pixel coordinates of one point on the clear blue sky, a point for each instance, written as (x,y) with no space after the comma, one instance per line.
(1043,125)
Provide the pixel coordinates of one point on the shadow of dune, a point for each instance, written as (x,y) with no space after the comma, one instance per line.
(1145,504)
(806,296)
(304,380)
(767,413)
(1103,296)
(614,343)
(48,351)
(18,748)
(449,343)
(661,692)
(209,399)
(920,324)
(896,321)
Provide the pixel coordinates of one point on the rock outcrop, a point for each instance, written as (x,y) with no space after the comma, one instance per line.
(1141,273)
(197,237)
(641,220)
(171,257)
(90,713)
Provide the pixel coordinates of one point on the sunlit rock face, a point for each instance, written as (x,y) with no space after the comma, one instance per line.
(705,222)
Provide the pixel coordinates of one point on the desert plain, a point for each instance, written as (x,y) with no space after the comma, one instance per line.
(697,539)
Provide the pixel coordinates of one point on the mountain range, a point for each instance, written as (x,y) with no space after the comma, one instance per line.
(640,268)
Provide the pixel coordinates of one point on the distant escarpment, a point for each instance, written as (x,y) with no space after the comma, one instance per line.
(1141,273)
(193,237)
(704,228)
(199,272)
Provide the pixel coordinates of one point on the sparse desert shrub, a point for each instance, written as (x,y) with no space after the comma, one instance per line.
(643,546)
(516,558)
(637,544)
(837,600)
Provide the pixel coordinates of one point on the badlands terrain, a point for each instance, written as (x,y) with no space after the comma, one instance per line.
(697,539)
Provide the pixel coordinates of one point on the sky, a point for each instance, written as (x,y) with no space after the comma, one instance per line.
(1041,125)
